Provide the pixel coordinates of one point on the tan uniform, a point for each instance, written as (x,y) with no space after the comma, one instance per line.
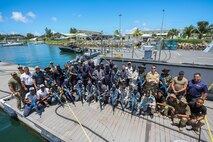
(152,81)
(167,80)
(182,110)
(17,87)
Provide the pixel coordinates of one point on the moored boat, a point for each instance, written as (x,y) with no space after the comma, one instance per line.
(72,48)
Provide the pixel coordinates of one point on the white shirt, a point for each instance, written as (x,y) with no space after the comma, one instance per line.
(30,96)
(27,78)
(129,71)
(41,94)
(133,77)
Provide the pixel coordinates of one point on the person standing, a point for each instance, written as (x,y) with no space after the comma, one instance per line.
(133,75)
(38,78)
(26,79)
(17,90)
(152,80)
(20,71)
(196,88)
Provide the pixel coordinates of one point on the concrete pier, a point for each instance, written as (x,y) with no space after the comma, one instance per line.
(58,124)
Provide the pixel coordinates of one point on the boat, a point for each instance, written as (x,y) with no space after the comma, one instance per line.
(13,44)
(91,53)
(72,48)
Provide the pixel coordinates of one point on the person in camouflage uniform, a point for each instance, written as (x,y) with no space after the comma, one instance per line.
(115,77)
(182,114)
(152,80)
(17,90)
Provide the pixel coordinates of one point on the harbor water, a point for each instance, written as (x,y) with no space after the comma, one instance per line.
(12,130)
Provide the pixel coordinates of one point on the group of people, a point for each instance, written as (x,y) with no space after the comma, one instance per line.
(131,88)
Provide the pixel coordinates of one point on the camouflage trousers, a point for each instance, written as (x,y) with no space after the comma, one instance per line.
(20,99)
(180,121)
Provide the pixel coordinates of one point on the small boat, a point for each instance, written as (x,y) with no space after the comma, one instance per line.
(92,53)
(72,48)
(13,44)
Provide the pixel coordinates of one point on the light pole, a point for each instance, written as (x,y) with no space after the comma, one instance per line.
(120,26)
(161,35)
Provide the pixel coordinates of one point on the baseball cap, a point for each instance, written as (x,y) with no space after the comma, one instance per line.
(42,85)
(32,88)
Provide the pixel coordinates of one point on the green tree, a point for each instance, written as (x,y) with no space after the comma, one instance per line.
(2,37)
(48,33)
(57,35)
(202,28)
(30,35)
(154,35)
(137,32)
(73,30)
(173,32)
(187,32)
(117,33)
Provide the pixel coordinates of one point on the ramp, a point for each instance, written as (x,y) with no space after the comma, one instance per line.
(209,48)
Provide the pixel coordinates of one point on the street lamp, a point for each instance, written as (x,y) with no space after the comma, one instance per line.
(120,25)
(161,34)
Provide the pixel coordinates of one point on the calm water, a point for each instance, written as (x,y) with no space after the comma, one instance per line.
(12,130)
(33,55)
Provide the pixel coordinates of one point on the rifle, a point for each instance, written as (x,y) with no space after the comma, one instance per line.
(69,95)
(58,98)
(122,98)
(89,95)
(99,97)
(112,97)
(50,79)
(133,102)
(79,91)
(140,81)
(163,86)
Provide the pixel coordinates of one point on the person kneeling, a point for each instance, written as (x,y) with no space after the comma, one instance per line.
(198,111)
(182,114)
(148,104)
(32,102)
(44,95)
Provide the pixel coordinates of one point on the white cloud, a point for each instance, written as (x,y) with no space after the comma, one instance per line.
(24,18)
(144,24)
(129,31)
(12,33)
(31,14)
(1,18)
(37,33)
(54,19)
(19,17)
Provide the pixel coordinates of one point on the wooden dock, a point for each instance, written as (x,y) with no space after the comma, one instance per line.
(58,124)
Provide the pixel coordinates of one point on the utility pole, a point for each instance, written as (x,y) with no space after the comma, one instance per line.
(120,27)
(161,35)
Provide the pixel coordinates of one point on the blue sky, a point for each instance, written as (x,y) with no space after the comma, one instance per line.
(23,16)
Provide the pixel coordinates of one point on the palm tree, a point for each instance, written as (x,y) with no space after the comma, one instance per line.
(117,33)
(137,32)
(188,31)
(202,28)
(173,32)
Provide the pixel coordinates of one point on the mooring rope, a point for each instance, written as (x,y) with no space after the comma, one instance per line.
(79,123)
(209,130)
